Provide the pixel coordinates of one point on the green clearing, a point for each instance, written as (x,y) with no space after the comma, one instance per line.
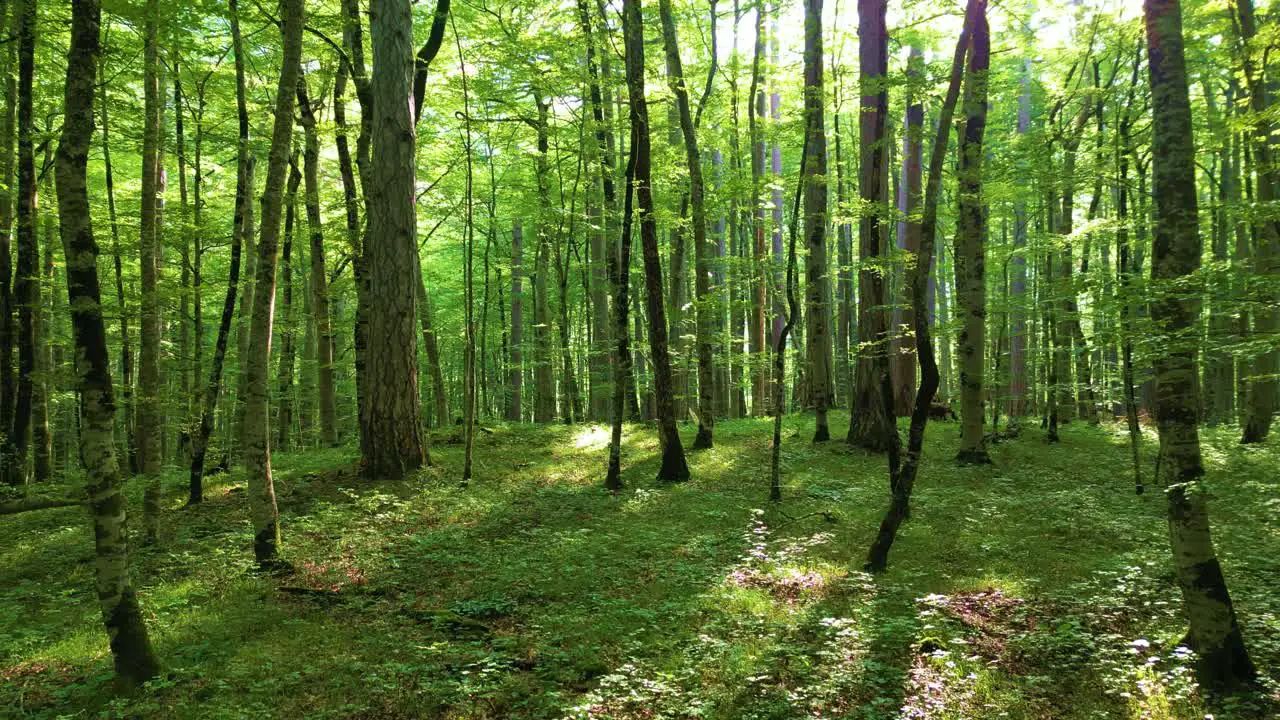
(1023,590)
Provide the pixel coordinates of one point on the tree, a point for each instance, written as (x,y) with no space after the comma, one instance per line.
(121,615)
(149,400)
(674,468)
(1223,661)
(870,425)
(390,416)
(255,441)
(697,194)
(970,250)
(817,290)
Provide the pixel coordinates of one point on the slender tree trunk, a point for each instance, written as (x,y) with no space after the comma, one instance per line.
(10,14)
(26,282)
(149,401)
(326,394)
(515,369)
(702,258)
(870,425)
(674,467)
(1018,287)
(122,617)
(817,315)
(240,221)
(757,367)
(544,388)
(42,321)
(902,365)
(1223,662)
(285,400)
(1264,386)
(439,393)
(255,442)
(602,252)
(902,475)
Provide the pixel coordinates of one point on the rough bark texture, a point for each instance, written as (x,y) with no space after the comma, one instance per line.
(970,250)
(122,617)
(391,416)
(817,290)
(255,440)
(870,425)
(149,398)
(674,468)
(285,399)
(1223,662)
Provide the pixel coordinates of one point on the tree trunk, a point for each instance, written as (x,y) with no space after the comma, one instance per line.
(1264,386)
(130,647)
(255,441)
(702,260)
(325,392)
(870,425)
(285,400)
(1223,662)
(515,369)
(758,365)
(902,359)
(149,400)
(391,417)
(544,387)
(1018,286)
(674,467)
(970,251)
(26,282)
(10,19)
(817,315)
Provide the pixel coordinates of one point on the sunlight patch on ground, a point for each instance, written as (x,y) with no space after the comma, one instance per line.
(594,437)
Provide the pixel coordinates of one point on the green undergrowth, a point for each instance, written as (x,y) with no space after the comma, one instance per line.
(1038,587)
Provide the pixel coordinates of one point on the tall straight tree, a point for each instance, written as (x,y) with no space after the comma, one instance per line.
(1223,661)
(1264,387)
(326,396)
(674,467)
(391,415)
(902,363)
(255,440)
(702,253)
(817,291)
(122,617)
(515,368)
(26,290)
(870,425)
(149,388)
(7,122)
(971,252)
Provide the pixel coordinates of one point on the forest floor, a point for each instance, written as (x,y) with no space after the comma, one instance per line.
(1039,587)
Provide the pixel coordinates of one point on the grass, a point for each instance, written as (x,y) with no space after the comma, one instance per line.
(1039,587)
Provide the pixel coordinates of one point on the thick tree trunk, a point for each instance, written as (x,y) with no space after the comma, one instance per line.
(392,420)
(970,251)
(674,467)
(871,426)
(121,615)
(817,292)
(1223,662)
(255,441)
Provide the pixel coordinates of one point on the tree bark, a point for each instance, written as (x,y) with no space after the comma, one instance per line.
(903,361)
(391,419)
(817,315)
(149,400)
(673,468)
(255,441)
(26,287)
(122,617)
(1223,662)
(870,425)
(285,400)
(515,369)
(9,18)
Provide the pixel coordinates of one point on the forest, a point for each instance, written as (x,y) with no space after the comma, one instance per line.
(636,359)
